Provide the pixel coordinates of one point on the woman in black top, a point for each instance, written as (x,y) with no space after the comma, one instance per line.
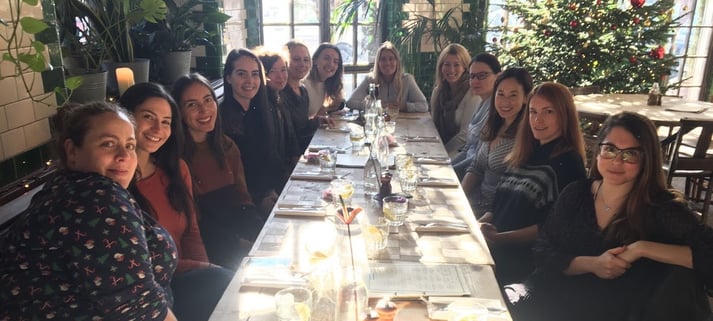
(247,119)
(620,246)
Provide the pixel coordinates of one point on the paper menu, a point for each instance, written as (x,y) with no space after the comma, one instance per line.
(413,279)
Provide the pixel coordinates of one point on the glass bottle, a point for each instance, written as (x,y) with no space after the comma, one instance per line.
(654,95)
(371,176)
(370,114)
(351,302)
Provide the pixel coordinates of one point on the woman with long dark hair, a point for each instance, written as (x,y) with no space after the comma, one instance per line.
(620,245)
(324,82)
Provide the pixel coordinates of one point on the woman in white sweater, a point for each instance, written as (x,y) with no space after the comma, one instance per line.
(396,88)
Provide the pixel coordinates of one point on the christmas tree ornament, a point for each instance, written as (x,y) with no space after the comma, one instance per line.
(647,22)
(573,23)
(632,60)
(636,20)
(599,2)
(572,6)
(547,33)
(495,40)
(613,27)
(637,3)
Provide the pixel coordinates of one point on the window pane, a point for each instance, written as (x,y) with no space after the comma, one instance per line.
(276,36)
(309,35)
(366,50)
(276,11)
(306,11)
(345,44)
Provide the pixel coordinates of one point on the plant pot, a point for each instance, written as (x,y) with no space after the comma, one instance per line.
(93,88)
(140,67)
(174,64)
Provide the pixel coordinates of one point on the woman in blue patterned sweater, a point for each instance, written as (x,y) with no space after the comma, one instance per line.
(83,249)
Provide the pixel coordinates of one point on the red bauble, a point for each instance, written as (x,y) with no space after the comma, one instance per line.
(495,40)
(572,6)
(632,60)
(599,2)
(573,23)
(636,20)
(613,27)
(637,3)
(547,33)
(658,53)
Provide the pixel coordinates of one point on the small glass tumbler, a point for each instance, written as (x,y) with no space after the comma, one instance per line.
(376,237)
(344,188)
(357,138)
(394,209)
(293,304)
(328,161)
(408,179)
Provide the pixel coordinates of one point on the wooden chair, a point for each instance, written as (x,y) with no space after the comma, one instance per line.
(695,165)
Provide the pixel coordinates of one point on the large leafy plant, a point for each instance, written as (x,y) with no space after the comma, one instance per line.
(100,29)
(182,29)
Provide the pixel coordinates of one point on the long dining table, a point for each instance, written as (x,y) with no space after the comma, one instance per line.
(423,265)
(669,113)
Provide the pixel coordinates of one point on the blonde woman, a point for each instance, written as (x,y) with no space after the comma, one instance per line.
(396,88)
(452,103)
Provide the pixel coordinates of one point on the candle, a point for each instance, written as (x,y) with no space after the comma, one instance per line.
(124,78)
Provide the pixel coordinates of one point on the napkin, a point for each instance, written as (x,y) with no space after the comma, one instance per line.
(424,139)
(338,129)
(437,182)
(312,176)
(441,228)
(434,160)
(687,109)
(309,212)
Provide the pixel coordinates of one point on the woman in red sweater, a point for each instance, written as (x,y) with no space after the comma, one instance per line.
(164,188)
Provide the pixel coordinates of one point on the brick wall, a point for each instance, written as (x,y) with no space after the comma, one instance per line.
(236,32)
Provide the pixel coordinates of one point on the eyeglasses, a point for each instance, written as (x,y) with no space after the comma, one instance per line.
(629,155)
(480,75)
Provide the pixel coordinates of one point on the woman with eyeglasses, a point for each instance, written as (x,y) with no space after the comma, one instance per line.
(396,88)
(620,245)
(547,156)
(482,72)
(452,103)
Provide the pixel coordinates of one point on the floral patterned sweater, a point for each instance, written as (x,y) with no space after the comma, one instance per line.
(83,250)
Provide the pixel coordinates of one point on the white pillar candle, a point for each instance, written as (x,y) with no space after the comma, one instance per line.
(124,78)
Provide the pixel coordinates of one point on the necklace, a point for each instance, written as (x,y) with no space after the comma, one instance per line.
(596,194)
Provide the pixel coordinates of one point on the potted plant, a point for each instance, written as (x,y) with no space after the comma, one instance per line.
(173,38)
(98,31)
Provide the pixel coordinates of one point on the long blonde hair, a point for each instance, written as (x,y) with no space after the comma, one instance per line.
(398,74)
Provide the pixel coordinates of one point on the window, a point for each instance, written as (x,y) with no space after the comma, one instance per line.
(692,41)
(312,21)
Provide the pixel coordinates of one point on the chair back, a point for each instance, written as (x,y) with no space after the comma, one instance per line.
(591,123)
(694,155)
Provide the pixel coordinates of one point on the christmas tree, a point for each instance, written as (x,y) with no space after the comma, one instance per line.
(616,45)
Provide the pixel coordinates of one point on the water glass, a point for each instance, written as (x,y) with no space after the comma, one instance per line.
(357,137)
(293,304)
(328,161)
(408,179)
(344,188)
(394,209)
(389,127)
(376,236)
(393,111)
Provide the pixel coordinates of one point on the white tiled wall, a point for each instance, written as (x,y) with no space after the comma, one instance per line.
(235,31)
(23,123)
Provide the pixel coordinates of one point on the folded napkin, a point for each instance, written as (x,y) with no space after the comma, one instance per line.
(437,227)
(424,139)
(338,129)
(312,176)
(434,160)
(309,212)
(437,182)
(687,109)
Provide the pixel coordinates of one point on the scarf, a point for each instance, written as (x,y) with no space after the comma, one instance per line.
(444,111)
